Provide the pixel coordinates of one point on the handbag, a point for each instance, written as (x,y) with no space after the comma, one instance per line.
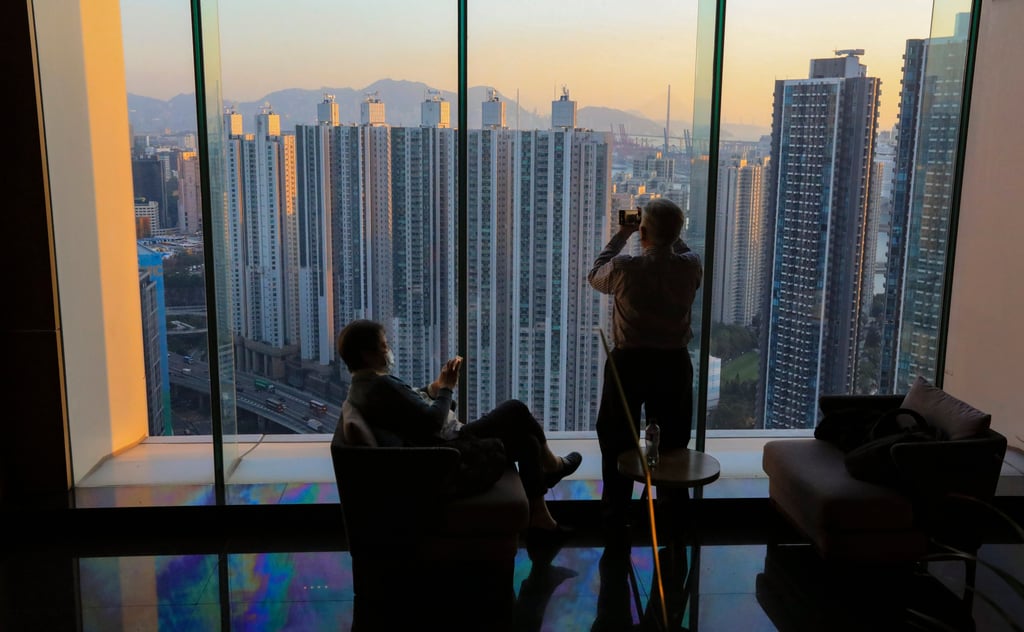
(872,461)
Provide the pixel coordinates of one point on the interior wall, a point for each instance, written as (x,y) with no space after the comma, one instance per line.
(85,115)
(985,359)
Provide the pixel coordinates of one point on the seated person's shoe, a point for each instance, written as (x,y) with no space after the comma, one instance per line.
(570,463)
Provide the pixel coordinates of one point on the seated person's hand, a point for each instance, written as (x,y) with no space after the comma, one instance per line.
(449,377)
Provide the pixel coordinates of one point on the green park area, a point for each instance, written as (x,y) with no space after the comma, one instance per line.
(741,369)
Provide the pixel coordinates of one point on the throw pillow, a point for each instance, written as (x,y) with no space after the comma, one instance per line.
(956,419)
(354,428)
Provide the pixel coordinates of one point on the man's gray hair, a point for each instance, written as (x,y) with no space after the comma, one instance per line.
(664,221)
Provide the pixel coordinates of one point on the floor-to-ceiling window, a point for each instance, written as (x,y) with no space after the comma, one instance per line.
(328,191)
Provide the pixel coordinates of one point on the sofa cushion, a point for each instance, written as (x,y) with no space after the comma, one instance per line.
(503,508)
(956,419)
(355,430)
(809,482)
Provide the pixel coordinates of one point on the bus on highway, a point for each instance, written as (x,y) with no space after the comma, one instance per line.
(318,407)
(275,403)
(263,385)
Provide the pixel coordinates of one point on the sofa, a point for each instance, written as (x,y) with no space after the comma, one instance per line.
(402,527)
(847,519)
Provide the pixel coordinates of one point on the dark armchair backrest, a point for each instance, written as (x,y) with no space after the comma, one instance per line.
(390,496)
(968,467)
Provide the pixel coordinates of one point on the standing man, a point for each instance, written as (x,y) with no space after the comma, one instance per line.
(654,293)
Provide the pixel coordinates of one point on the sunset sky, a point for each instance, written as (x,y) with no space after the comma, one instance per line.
(614,54)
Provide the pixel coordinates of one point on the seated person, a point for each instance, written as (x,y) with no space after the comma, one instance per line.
(399,414)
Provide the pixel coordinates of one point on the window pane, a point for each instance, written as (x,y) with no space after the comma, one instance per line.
(808,239)
(340,188)
(168,215)
(577,110)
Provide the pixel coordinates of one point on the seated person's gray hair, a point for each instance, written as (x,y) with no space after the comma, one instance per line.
(664,221)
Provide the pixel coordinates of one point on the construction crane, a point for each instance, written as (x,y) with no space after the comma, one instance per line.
(668,116)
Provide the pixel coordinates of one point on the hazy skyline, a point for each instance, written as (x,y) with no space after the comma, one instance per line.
(606,53)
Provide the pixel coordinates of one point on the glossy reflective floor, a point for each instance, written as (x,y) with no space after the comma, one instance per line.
(741,587)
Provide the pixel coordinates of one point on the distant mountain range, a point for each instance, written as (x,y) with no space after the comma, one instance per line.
(402,100)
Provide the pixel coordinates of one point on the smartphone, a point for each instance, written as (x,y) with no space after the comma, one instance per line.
(629,217)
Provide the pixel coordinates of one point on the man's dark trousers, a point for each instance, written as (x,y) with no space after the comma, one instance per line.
(661,382)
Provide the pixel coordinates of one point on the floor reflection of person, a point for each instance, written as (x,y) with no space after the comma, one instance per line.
(618,597)
(614,596)
(536,590)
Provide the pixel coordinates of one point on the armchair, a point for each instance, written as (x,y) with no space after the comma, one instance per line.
(402,527)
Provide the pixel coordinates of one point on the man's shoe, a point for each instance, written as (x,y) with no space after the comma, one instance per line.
(570,463)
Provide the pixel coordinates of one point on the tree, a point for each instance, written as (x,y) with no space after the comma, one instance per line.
(731,341)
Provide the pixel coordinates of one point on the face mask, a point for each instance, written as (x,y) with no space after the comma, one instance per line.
(390,358)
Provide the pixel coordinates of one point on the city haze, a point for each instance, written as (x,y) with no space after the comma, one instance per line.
(607,54)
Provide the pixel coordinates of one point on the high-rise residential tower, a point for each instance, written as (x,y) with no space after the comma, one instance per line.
(563,111)
(561,222)
(823,130)
(739,247)
(190,212)
(435,111)
(314,211)
(371,110)
(491,194)
(236,212)
(929,126)
(148,182)
(154,341)
(493,111)
(262,208)
(392,227)
(423,249)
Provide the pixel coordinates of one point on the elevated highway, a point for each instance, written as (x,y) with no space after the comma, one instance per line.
(297,413)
